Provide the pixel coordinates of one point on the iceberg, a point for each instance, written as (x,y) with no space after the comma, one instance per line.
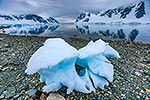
(56,63)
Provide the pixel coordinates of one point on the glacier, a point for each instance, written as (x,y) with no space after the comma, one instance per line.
(56,63)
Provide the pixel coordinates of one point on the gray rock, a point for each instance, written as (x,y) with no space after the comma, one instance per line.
(31,92)
(1,39)
(6,45)
(10,92)
(2,96)
(55,96)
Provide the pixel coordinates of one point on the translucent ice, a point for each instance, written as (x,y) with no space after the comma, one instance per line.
(93,57)
(56,61)
(51,54)
(64,74)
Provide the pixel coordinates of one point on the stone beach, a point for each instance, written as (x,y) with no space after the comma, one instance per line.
(131,71)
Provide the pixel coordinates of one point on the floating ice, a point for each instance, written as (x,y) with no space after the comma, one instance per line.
(56,61)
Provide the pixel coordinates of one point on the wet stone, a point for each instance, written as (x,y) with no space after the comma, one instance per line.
(1,66)
(122,96)
(43,97)
(147,61)
(138,97)
(39,94)
(2,96)
(138,73)
(55,96)
(17,63)
(1,39)
(31,92)
(16,96)
(6,45)
(5,68)
(10,92)
(3,50)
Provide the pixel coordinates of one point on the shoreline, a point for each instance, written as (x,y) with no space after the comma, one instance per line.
(131,71)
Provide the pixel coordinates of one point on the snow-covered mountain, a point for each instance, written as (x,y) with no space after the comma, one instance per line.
(137,12)
(26,19)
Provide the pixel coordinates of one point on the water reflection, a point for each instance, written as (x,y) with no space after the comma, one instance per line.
(113,32)
(132,33)
(28,29)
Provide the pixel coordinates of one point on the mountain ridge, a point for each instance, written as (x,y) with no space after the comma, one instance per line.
(138,11)
(26,19)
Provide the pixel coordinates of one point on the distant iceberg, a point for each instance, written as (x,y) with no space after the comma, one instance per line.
(56,61)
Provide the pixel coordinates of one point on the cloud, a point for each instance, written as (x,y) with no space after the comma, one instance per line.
(58,8)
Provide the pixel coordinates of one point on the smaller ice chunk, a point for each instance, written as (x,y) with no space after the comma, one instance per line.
(52,53)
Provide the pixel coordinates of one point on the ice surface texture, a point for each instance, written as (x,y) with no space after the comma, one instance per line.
(56,61)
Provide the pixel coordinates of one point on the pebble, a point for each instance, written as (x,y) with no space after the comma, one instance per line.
(17,63)
(55,96)
(1,66)
(138,73)
(6,45)
(138,97)
(2,96)
(16,96)
(13,55)
(10,92)
(5,68)
(31,92)
(126,79)
(3,50)
(43,97)
(1,39)
(123,96)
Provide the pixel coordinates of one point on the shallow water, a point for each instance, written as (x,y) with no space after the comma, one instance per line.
(133,33)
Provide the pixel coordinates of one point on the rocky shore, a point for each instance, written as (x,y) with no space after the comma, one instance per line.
(131,71)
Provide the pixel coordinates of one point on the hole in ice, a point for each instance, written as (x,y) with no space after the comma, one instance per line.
(80,70)
(87,87)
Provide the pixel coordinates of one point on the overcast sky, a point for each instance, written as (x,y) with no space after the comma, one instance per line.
(59,9)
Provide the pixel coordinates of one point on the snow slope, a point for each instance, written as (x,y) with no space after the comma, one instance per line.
(138,12)
(26,19)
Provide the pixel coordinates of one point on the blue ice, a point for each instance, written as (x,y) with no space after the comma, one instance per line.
(55,61)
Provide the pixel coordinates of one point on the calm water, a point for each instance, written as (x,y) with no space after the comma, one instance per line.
(133,33)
